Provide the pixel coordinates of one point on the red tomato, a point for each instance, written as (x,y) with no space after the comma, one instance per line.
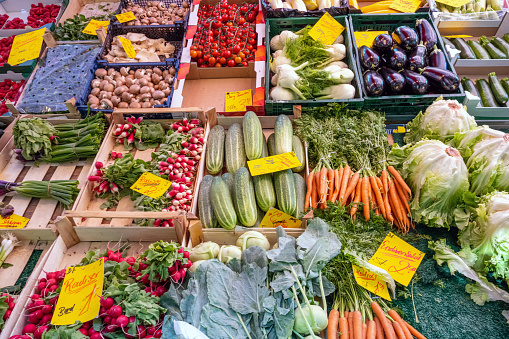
(231,63)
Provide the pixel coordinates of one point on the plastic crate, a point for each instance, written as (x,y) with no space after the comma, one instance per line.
(276,26)
(400,108)
(82,102)
(179,24)
(174,35)
(281,13)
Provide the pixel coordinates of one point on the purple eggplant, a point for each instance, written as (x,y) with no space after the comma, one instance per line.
(417,58)
(396,58)
(442,78)
(373,83)
(426,33)
(369,58)
(382,43)
(437,59)
(393,80)
(406,37)
(414,82)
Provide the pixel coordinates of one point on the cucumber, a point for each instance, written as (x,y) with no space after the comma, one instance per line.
(283,135)
(478,50)
(468,85)
(506,37)
(284,184)
(494,52)
(465,50)
(235,154)
(300,193)
(244,197)
(206,212)
(498,91)
(502,45)
(505,84)
(298,148)
(222,204)
(271,144)
(485,93)
(253,135)
(265,149)
(229,179)
(264,191)
(215,150)
(259,218)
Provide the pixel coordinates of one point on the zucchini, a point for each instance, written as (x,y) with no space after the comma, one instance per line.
(206,212)
(271,144)
(300,193)
(485,93)
(298,148)
(235,154)
(468,85)
(222,204)
(229,179)
(283,135)
(253,134)
(501,44)
(478,50)
(244,198)
(498,91)
(215,150)
(465,50)
(494,52)
(505,84)
(284,184)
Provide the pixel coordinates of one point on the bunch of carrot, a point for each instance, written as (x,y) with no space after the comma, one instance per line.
(388,194)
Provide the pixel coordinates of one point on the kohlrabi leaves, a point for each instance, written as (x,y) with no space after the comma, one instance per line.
(223,323)
(195,296)
(285,251)
(284,317)
(248,290)
(256,255)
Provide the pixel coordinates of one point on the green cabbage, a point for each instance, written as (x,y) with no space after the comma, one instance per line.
(438,178)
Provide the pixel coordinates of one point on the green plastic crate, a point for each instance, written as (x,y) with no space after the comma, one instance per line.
(275,26)
(401,108)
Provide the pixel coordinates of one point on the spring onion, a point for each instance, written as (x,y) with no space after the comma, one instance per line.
(8,243)
(64,191)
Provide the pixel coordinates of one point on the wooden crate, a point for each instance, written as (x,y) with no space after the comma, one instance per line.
(88,205)
(8,130)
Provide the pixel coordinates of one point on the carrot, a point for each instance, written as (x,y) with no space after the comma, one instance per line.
(365,197)
(357,325)
(332,327)
(364,330)
(330,178)
(398,330)
(314,197)
(379,329)
(335,192)
(398,177)
(309,189)
(343,327)
(352,184)
(357,198)
(383,320)
(396,207)
(394,315)
(322,189)
(371,332)
(344,182)
(378,196)
(350,325)
(379,183)
(414,332)
(402,196)
(337,184)
(385,183)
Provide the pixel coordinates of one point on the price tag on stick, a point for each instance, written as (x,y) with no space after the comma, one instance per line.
(326,30)
(13,221)
(237,101)
(26,47)
(371,281)
(125,17)
(273,164)
(274,218)
(151,185)
(94,25)
(128,47)
(366,38)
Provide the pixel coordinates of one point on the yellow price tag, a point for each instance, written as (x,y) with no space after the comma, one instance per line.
(151,185)
(366,38)
(237,101)
(274,218)
(275,163)
(398,258)
(26,47)
(454,3)
(125,17)
(405,6)
(371,281)
(80,296)
(13,221)
(457,36)
(128,47)
(94,25)
(326,30)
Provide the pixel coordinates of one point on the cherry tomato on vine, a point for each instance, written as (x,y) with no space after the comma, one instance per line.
(238,60)
(212,61)
(222,61)
(193,54)
(236,49)
(231,63)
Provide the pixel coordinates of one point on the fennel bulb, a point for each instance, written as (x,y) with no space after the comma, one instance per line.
(276,44)
(339,75)
(298,5)
(338,92)
(282,94)
(287,77)
(280,60)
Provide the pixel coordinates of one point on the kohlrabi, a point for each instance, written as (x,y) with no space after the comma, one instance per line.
(253,238)
(205,251)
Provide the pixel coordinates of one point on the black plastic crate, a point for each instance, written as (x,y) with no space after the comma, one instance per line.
(399,108)
(179,24)
(173,35)
(281,13)
(274,27)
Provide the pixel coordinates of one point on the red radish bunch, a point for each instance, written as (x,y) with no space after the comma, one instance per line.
(9,90)
(101,186)
(128,130)
(116,155)
(10,306)
(5,49)
(186,125)
(42,14)
(163,223)
(3,19)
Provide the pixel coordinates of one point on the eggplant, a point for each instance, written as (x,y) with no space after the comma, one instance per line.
(415,82)
(369,58)
(417,58)
(427,35)
(396,59)
(406,37)
(373,83)
(437,59)
(382,43)
(442,78)
(393,80)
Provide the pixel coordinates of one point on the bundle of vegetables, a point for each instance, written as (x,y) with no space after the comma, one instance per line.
(493,93)
(304,68)
(406,62)
(138,133)
(9,241)
(6,306)
(64,191)
(72,29)
(236,196)
(473,10)
(485,48)
(264,293)
(6,210)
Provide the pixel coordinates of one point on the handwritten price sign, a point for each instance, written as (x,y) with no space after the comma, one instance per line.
(274,218)
(405,6)
(237,101)
(26,47)
(81,294)
(125,17)
(128,47)
(273,164)
(371,282)
(326,30)
(398,258)
(94,25)
(457,36)
(366,38)
(13,221)
(151,185)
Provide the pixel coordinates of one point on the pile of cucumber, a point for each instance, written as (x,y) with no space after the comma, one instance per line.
(235,197)
(493,93)
(485,48)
